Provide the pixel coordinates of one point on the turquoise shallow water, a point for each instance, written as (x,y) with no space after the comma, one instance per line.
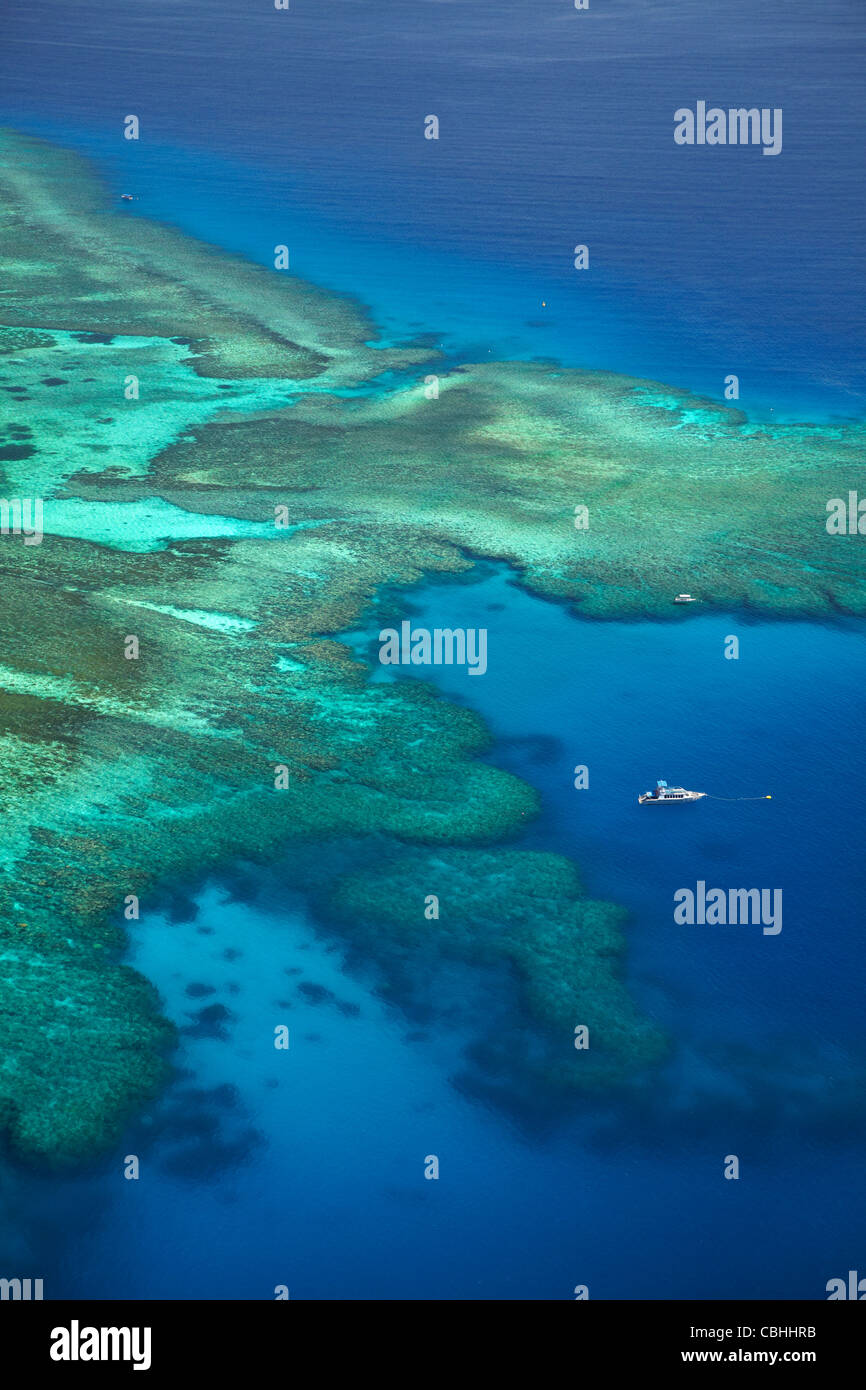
(306,1167)
(149,524)
(465,303)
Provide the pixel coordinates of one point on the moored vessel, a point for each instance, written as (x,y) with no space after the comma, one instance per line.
(662,792)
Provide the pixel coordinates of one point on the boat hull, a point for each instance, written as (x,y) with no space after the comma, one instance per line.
(648,799)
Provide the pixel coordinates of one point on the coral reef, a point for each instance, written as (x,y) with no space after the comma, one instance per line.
(120,775)
(526,908)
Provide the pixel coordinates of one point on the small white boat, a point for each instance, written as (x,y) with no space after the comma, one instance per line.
(685,598)
(663,792)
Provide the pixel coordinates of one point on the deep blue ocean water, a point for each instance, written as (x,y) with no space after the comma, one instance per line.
(261,127)
(305,1168)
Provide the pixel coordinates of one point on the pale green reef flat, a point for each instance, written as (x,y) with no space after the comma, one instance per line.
(120,776)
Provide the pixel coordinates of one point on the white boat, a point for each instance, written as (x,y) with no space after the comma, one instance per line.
(685,598)
(663,792)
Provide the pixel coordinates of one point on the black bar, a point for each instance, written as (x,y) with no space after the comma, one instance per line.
(233,1338)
